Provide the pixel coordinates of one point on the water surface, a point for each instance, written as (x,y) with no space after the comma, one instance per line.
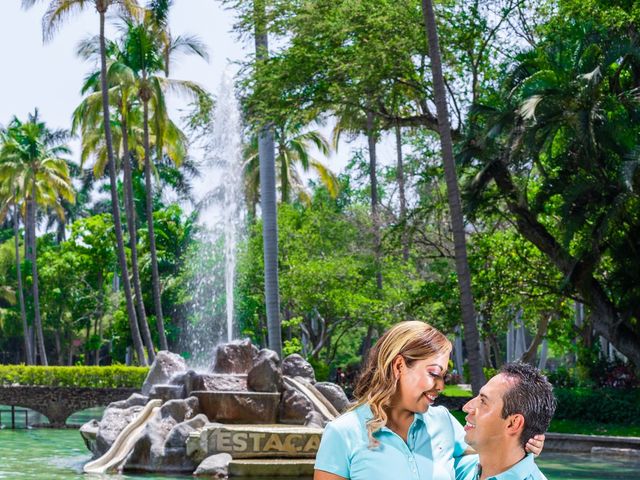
(52,454)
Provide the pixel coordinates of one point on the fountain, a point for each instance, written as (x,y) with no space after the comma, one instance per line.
(243,410)
(251,412)
(222,215)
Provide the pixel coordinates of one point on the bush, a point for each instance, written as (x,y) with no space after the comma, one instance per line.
(604,405)
(321,368)
(96,377)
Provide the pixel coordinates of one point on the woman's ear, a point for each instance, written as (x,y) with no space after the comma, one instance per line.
(397,366)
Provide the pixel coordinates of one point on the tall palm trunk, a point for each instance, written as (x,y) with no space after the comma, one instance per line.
(122,258)
(471,336)
(403,201)
(133,239)
(28,350)
(266,153)
(373,180)
(37,320)
(155,276)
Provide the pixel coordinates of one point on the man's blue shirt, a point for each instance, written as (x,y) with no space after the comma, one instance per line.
(525,469)
(433,440)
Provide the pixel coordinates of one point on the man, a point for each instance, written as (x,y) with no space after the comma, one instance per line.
(512,407)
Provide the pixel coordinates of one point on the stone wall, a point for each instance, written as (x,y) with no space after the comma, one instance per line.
(58,403)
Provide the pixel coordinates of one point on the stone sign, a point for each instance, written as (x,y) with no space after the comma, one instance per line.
(255,441)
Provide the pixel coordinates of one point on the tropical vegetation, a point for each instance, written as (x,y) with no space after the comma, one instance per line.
(507,214)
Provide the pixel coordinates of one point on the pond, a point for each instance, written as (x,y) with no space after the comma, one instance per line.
(60,454)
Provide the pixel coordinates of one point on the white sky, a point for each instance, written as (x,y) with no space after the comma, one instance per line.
(49,76)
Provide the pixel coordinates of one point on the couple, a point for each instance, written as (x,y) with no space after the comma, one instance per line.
(394,432)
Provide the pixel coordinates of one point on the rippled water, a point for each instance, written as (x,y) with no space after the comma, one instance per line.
(585,467)
(60,454)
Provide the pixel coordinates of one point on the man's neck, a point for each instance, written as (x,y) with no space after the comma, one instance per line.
(498,459)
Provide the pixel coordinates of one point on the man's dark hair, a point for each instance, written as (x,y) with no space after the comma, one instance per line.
(531,396)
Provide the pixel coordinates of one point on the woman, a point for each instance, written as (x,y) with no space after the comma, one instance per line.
(393,431)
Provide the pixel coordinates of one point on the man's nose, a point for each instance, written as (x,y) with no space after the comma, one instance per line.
(468,407)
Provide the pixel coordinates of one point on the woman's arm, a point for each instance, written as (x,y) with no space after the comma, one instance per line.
(322,475)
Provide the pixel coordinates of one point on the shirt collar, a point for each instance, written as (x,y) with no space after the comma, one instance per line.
(520,471)
(364,411)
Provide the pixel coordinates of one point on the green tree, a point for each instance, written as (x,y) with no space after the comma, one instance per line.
(471,335)
(293,149)
(31,161)
(56,13)
(558,150)
(10,200)
(150,50)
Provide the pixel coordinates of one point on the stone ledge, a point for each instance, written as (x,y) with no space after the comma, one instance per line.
(239,407)
(574,443)
(254,441)
(615,452)
(272,468)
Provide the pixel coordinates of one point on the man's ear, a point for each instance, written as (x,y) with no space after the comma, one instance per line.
(397,366)
(515,425)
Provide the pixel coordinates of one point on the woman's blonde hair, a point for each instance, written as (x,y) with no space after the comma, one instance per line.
(413,340)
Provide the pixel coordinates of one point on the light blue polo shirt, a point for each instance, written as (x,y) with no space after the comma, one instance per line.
(525,469)
(433,440)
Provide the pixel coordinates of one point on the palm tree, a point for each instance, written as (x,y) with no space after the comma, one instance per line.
(122,84)
(56,13)
(293,148)
(266,153)
(471,336)
(151,49)
(9,199)
(32,163)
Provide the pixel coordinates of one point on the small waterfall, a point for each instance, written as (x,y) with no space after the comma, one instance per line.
(222,221)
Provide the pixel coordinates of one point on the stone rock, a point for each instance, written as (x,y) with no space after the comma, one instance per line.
(220,382)
(215,466)
(174,456)
(294,407)
(180,410)
(167,392)
(114,420)
(296,366)
(135,400)
(188,380)
(163,368)
(239,407)
(89,432)
(334,394)
(266,375)
(151,453)
(178,435)
(234,357)
(314,419)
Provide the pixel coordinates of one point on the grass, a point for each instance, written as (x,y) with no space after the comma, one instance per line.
(594,428)
(581,427)
(456,391)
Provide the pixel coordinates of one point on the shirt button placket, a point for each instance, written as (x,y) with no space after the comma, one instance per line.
(412,466)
